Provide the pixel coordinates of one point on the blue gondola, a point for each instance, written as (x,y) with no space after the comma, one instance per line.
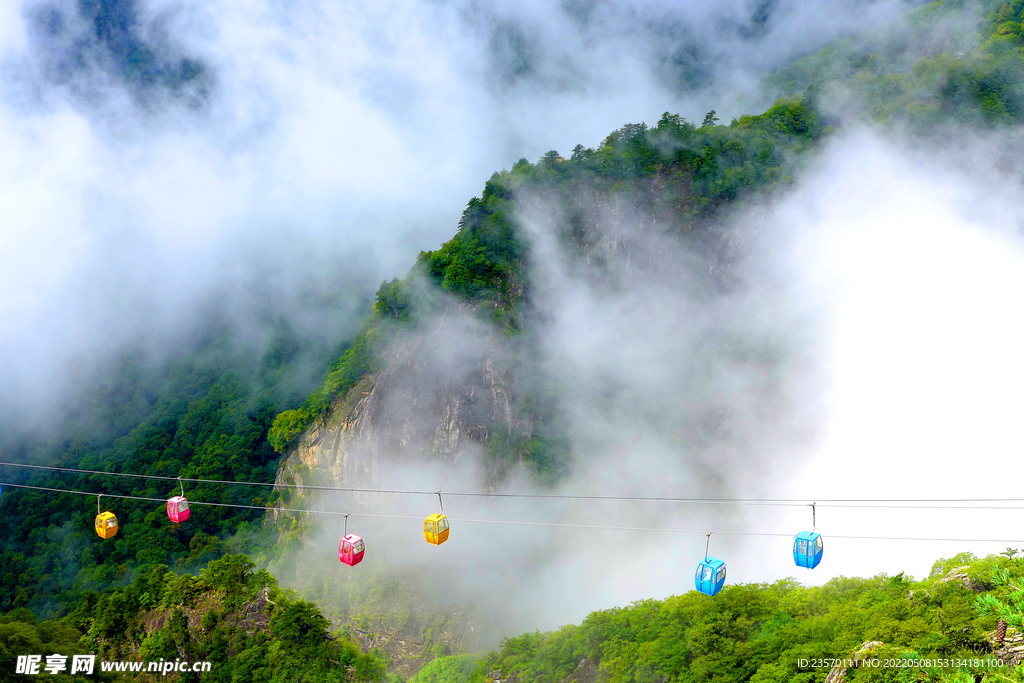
(807,549)
(807,545)
(710,575)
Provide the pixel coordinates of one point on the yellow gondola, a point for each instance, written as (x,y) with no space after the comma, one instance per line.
(435,527)
(106,522)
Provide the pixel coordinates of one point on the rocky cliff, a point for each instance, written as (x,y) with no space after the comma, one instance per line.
(446,389)
(440,394)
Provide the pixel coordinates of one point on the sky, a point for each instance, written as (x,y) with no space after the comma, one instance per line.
(918,259)
(157,158)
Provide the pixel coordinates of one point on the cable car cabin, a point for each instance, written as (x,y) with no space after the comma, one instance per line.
(710,576)
(435,529)
(106,524)
(807,549)
(351,549)
(177,509)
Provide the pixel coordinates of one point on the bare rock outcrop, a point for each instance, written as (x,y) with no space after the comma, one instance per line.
(439,395)
(155,619)
(867,651)
(1010,648)
(255,615)
(585,672)
(959,574)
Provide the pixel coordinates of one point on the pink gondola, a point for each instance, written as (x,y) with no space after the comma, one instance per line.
(177,507)
(351,548)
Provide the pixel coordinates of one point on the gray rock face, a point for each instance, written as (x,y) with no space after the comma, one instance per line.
(959,574)
(586,672)
(866,651)
(1010,648)
(440,394)
(255,615)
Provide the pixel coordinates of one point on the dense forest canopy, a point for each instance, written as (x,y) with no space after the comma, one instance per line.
(230,612)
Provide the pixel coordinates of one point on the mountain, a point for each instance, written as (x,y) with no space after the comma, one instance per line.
(447,363)
(965,622)
(943,64)
(230,615)
(951,626)
(477,361)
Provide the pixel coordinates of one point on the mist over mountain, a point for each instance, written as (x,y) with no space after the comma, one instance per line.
(159,155)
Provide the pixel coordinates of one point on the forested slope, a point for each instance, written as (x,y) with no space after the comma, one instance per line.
(674,169)
(943,63)
(760,633)
(250,630)
(201,414)
(229,614)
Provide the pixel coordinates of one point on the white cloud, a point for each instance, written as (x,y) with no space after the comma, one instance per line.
(922,295)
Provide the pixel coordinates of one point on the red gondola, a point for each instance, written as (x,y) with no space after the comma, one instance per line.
(351,548)
(177,507)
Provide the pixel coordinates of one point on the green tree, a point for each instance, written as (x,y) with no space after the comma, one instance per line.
(1009,608)
(392,300)
(288,425)
(300,623)
(550,159)
(232,574)
(446,669)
